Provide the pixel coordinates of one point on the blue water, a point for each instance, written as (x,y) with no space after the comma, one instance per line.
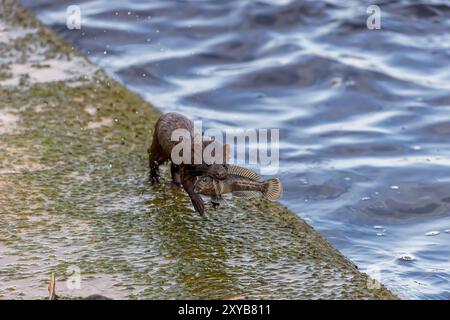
(364,114)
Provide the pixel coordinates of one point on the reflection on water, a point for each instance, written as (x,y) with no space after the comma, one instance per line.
(364,114)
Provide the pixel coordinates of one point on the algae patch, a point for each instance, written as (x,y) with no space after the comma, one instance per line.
(8,121)
(48,70)
(26,59)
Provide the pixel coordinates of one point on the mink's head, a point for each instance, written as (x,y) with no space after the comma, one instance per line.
(216,167)
(213,165)
(217,171)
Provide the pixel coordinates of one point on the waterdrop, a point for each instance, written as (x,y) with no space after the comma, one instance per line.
(407,257)
(350,83)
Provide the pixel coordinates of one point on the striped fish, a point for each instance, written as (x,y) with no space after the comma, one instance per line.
(242,183)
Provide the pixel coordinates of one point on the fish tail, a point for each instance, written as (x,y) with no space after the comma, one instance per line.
(272,189)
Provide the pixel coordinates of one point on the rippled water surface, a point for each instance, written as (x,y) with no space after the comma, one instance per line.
(364,114)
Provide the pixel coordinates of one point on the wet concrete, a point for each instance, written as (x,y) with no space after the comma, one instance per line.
(74,197)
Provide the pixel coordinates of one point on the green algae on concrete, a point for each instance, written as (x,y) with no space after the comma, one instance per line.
(74,197)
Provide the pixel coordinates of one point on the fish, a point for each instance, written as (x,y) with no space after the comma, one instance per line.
(240,182)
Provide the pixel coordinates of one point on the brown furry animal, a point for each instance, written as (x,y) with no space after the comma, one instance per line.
(183,174)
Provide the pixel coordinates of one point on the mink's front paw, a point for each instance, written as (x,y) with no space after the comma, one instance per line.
(153,177)
(199,205)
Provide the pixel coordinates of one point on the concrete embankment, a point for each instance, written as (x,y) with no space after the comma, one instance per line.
(74,198)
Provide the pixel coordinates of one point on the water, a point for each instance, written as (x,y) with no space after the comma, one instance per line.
(364,114)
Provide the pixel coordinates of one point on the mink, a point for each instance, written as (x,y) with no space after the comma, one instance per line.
(184,174)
